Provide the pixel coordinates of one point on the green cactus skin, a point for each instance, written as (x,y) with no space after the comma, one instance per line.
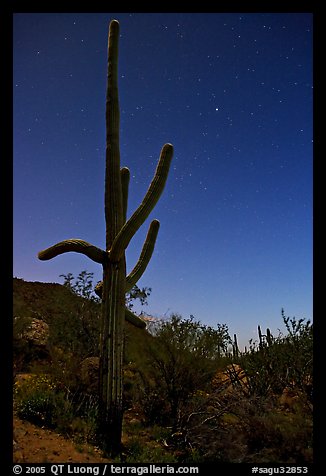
(141,265)
(125,177)
(79,246)
(119,232)
(261,342)
(139,216)
(269,337)
(145,256)
(235,347)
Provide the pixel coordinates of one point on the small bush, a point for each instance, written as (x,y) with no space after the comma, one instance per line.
(137,452)
(34,399)
(44,402)
(279,437)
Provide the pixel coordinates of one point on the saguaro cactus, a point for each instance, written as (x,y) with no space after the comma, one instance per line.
(235,347)
(119,232)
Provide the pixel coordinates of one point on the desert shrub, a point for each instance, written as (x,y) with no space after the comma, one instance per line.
(33,398)
(181,359)
(270,418)
(155,408)
(138,452)
(282,361)
(276,436)
(235,428)
(44,402)
(84,422)
(211,431)
(77,333)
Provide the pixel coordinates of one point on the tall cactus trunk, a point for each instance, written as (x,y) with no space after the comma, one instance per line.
(111,358)
(114,273)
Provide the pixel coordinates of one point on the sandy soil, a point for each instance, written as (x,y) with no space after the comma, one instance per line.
(33,444)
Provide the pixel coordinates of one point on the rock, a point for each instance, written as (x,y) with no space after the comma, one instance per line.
(31,340)
(37,333)
(32,330)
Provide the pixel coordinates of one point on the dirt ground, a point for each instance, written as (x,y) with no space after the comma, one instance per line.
(33,444)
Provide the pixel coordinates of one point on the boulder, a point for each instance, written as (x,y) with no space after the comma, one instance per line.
(30,341)
(37,333)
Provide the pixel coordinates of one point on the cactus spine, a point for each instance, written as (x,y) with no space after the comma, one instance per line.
(119,232)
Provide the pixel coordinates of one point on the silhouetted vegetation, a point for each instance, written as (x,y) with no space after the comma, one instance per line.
(190,394)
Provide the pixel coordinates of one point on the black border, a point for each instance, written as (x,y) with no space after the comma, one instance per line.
(6,30)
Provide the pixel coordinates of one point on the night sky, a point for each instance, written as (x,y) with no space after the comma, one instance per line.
(233,93)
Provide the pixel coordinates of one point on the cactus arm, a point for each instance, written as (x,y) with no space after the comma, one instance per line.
(79,246)
(145,256)
(154,192)
(125,177)
(134,320)
(143,261)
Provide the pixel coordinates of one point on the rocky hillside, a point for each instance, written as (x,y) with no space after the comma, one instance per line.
(42,300)
(48,316)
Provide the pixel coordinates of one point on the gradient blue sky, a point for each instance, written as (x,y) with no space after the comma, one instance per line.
(233,93)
